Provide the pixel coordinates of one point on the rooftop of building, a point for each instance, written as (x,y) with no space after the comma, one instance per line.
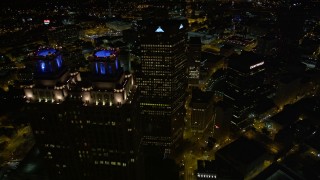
(104,53)
(312,171)
(264,105)
(287,116)
(119,25)
(308,107)
(238,98)
(242,151)
(211,57)
(246,61)
(304,129)
(199,96)
(289,78)
(223,105)
(162,26)
(277,171)
(314,141)
(205,166)
(195,40)
(304,162)
(45,52)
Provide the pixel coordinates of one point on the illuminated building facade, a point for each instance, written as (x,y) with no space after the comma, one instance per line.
(84,125)
(50,73)
(244,85)
(162,80)
(194,58)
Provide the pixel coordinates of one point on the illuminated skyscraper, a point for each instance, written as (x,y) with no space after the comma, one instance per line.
(162,80)
(84,126)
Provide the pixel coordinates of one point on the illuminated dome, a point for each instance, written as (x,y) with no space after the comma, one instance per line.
(48,60)
(103,53)
(46,52)
(104,62)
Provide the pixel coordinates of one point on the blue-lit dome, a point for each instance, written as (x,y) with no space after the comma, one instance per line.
(46,52)
(105,62)
(46,63)
(103,53)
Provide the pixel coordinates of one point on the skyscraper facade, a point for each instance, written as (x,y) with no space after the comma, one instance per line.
(202,111)
(84,125)
(194,59)
(244,85)
(162,80)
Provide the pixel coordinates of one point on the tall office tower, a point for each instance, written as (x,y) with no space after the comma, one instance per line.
(84,126)
(244,86)
(162,80)
(194,58)
(202,111)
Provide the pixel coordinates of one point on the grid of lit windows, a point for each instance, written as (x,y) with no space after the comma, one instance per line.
(162,82)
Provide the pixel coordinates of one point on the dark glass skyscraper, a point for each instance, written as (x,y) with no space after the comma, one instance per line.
(244,85)
(162,80)
(194,58)
(84,125)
